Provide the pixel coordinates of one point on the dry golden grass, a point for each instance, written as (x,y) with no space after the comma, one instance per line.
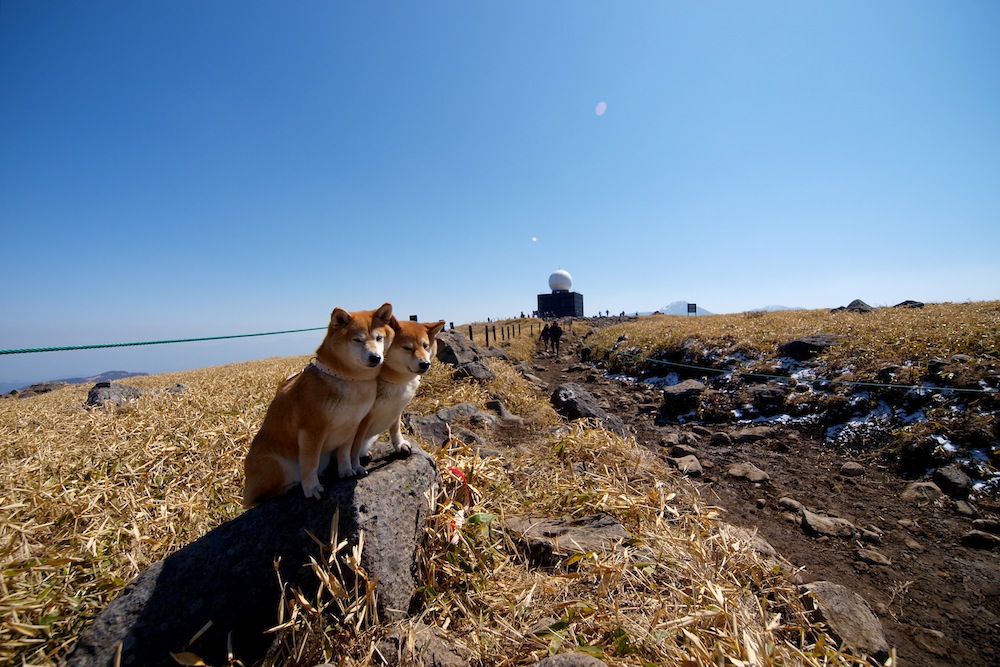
(91,497)
(869,340)
(682,592)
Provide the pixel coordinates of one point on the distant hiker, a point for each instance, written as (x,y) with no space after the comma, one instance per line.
(555,333)
(546,332)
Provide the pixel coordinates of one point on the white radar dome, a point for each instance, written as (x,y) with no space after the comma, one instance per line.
(560,281)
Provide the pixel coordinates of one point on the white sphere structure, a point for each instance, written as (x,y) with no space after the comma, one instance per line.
(560,281)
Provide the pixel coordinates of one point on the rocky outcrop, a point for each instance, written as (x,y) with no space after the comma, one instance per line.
(105,394)
(572,401)
(226,580)
(546,540)
(856,306)
(807,347)
(455,348)
(681,398)
(850,619)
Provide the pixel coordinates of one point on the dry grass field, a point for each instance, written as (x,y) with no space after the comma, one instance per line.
(869,341)
(90,497)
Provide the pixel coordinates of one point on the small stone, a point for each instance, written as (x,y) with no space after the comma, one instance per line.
(852,469)
(748,471)
(761,503)
(790,504)
(987,525)
(818,524)
(977,539)
(965,508)
(934,642)
(669,440)
(680,451)
(913,544)
(953,481)
(870,536)
(922,492)
(873,557)
(689,465)
(721,439)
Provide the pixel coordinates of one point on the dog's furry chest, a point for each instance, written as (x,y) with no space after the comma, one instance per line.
(323,404)
(390,401)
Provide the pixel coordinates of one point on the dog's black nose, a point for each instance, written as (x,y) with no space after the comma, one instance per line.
(374,359)
(423,366)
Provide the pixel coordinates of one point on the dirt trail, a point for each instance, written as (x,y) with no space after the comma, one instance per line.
(939,601)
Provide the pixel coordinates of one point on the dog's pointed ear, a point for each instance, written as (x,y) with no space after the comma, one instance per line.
(340,317)
(384,313)
(394,324)
(434,329)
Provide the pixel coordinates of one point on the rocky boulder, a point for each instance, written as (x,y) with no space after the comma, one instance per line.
(850,618)
(105,394)
(572,401)
(547,540)
(226,580)
(455,348)
(953,481)
(681,398)
(807,347)
(476,370)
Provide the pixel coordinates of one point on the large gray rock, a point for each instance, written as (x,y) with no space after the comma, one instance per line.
(851,620)
(681,398)
(748,471)
(431,429)
(547,540)
(457,412)
(953,481)
(766,399)
(227,577)
(455,348)
(422,645)
(476,370)
(830,526)
(572,401)
(112,393)
(807,347)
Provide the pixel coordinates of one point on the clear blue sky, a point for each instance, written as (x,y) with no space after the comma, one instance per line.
(174,168)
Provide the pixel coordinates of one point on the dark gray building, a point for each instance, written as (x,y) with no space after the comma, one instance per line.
(561,302)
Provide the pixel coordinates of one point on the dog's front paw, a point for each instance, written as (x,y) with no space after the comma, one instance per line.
(405,447)
(359,470)
(313,490)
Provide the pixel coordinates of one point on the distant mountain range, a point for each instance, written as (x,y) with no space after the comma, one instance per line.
(107,376)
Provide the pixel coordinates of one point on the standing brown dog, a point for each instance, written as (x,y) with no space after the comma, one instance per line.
(316,412)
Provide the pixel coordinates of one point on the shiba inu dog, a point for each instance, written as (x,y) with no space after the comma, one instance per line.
(316,413)
(409,357)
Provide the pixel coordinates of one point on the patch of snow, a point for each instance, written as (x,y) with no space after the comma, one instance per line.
(918,416)
(669,380)
(945,444)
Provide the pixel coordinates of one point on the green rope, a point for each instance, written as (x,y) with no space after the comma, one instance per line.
(150,342)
